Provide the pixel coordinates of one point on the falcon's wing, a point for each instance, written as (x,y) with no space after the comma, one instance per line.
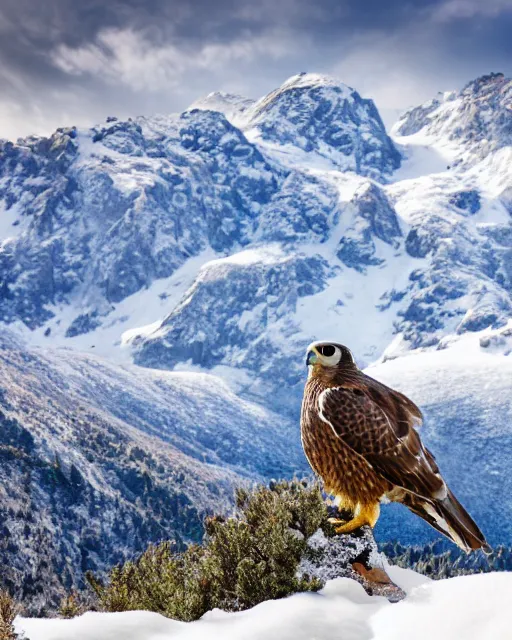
(378,423)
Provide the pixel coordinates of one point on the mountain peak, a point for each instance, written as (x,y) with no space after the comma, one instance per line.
(230,104)
(314,80)
(476,120)
(326,119)
(490,81)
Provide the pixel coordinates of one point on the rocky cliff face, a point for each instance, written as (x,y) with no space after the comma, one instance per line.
(97,215)
(327,119)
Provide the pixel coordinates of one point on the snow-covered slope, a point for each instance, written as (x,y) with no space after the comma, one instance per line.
(470,607)
(476,120)
(97,460)
(231,105)
(94,216)
(225,239)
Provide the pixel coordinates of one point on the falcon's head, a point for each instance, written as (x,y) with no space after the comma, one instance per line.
(330,355)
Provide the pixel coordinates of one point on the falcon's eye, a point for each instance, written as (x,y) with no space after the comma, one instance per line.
(328,350)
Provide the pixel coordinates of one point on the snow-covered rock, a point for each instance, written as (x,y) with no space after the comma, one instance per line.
(354,556)
(233,106)
(470,607)
(477,120)
(104,212)
(97,215)
(324,118)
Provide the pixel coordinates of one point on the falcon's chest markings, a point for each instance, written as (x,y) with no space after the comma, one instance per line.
(343,408)
(321,402)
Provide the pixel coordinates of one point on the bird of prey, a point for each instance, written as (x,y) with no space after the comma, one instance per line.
(359,437)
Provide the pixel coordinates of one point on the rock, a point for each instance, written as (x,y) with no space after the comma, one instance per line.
(469,200)
(353,556)
(321,115)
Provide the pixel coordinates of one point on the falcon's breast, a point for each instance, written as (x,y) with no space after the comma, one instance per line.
(344,471)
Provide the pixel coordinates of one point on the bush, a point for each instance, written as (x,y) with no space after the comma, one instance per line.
(243,561)
(8,611)
(71,606)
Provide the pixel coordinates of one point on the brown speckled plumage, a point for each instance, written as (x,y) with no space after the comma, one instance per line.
(359,437)
(345,473)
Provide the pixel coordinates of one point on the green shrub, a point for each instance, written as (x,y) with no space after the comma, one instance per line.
(70,606)
(244,560)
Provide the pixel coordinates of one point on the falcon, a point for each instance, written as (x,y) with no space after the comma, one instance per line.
(359,436)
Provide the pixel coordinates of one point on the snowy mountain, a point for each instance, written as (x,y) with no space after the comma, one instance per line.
(386,268)
(166,274)
(94,216)
(475,120)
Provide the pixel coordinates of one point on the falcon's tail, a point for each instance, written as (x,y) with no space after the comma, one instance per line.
(449,517)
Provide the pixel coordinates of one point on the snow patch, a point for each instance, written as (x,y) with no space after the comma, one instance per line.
(471,607)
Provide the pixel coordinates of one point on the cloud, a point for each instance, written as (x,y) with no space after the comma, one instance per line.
(386,67)
(64,62)
(125,56)
(467,9)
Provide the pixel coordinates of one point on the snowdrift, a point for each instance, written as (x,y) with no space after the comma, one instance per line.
(469,607)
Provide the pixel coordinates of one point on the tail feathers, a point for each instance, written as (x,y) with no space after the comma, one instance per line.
(450,518)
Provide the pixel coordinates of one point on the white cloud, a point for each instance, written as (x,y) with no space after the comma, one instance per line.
(125,56)
(33,116)
(456,9)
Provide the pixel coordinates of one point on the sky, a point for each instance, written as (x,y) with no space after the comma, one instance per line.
(69,62)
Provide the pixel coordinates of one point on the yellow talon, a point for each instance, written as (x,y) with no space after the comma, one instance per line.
(368,514)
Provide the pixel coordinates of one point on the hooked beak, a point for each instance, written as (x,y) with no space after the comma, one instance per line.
(312,358)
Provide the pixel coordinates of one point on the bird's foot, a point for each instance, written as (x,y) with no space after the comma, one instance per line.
(364,515)
(346,526)
(350,526)
(337,521)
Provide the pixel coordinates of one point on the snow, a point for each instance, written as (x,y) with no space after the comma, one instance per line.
(352,299)
(311,80)
(460,370)
(494,172)
(137,315)
(471,607)
(11,222)
(421,157)
(231,105)
(290,156)
(264,255)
